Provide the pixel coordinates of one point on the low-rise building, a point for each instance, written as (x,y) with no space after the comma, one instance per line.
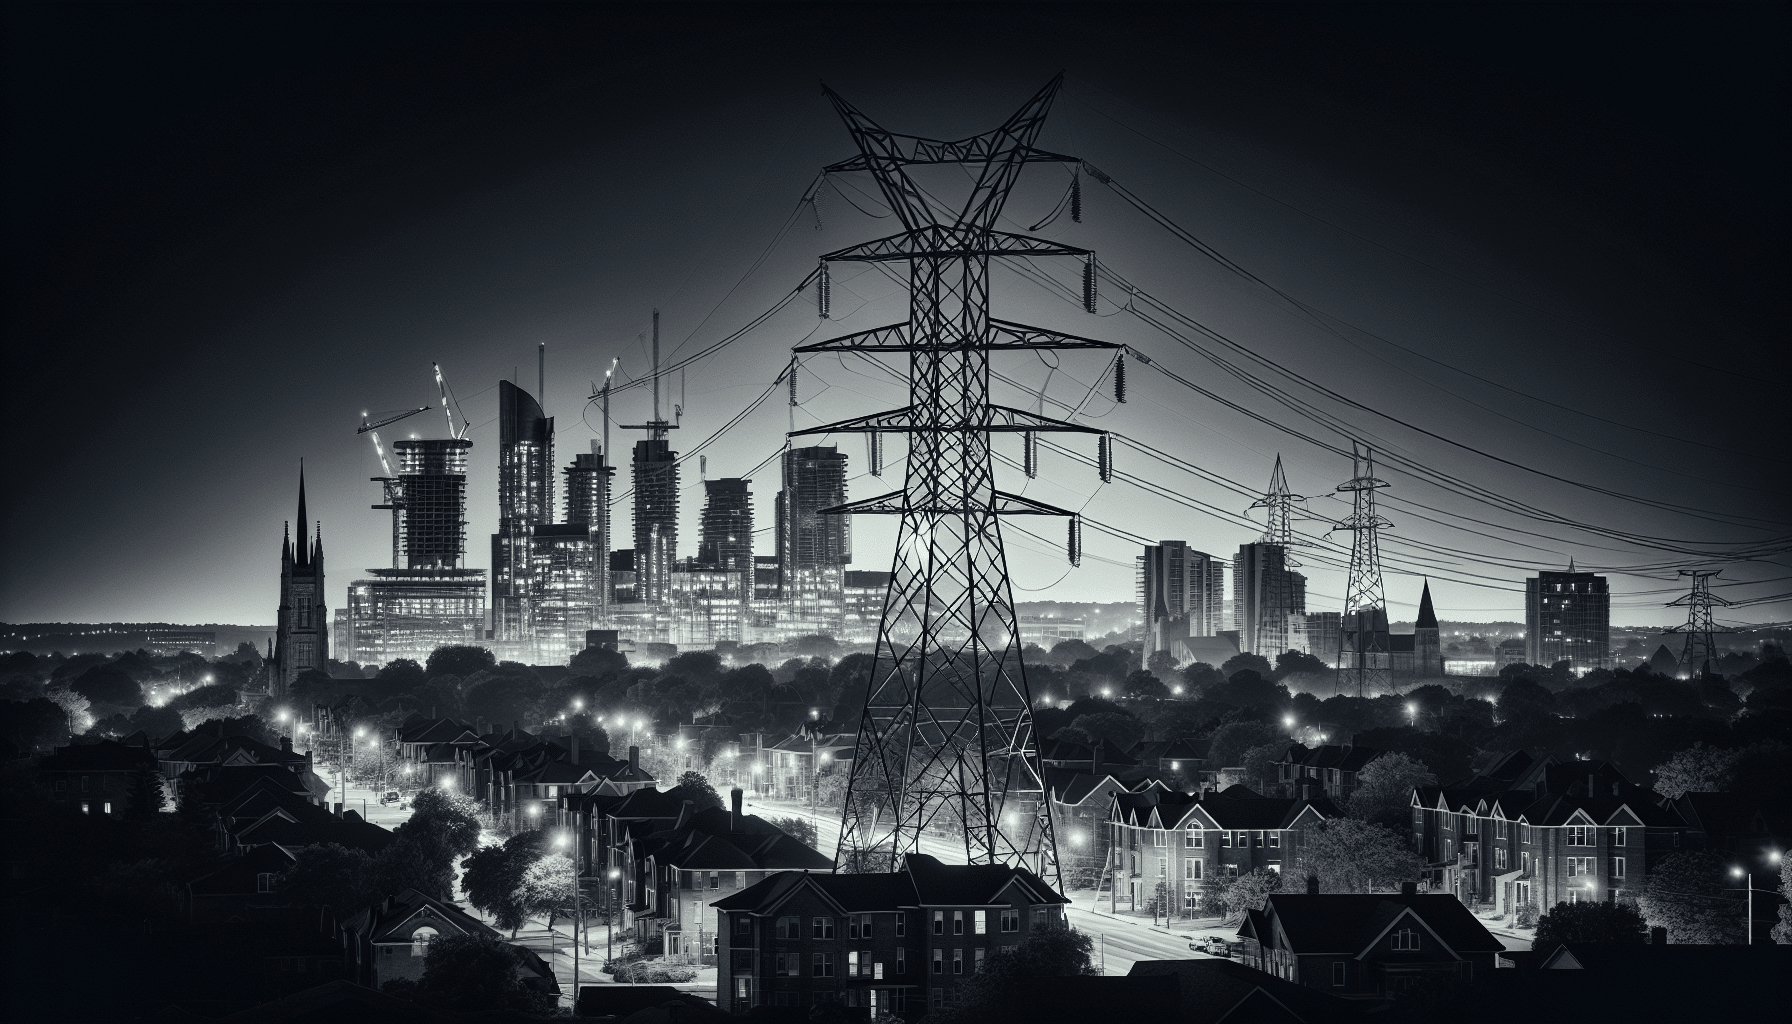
(96,778)
(899,942)
(390,940)
(1369,945)
(1332,768)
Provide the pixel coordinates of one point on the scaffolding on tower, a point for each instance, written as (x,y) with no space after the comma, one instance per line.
(946,744)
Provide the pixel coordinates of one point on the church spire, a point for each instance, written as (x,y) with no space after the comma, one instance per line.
(1427,616)
(286,542)
(303,556)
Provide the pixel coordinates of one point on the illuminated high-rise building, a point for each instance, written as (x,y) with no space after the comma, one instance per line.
(302,629)
(1568,617)
(727,538)
(428,598)
(1181,593)
(1269,601)
(525,501)
(655,469)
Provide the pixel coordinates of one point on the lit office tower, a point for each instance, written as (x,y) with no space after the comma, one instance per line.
(1269,601)
(727,539)
(813,479)
(813,549)
(525,501)
(1181,593)
(1568,617)
(427,599)
(588,505)
(656,517)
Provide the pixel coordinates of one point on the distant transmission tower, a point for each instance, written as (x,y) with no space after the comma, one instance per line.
(1273,633)
(1697,656)
(946,743)
(1363,656)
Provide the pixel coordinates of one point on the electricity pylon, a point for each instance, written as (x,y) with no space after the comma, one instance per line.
(1363,649)
(946,743)
(1273,633)
(1697,656)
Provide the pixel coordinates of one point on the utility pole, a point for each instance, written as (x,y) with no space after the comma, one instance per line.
(947,732)
(1699,653)
(1363,656)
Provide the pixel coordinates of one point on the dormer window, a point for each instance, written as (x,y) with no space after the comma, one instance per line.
(1406,939)
(420,940)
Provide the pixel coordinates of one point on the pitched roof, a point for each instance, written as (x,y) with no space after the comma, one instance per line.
(1343,757)
(1216,990)
(1348,923)
(104,756)
(1427,617)
(386,920)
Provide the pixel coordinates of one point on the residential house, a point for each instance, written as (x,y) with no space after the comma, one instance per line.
(1541,831)
(796,763)
(705,856)
(1369,945)
(1212,991)
(437,752)
(899,942)
(1177,840)
(1080,801)
(1331,767)
(390,940)
(95,778)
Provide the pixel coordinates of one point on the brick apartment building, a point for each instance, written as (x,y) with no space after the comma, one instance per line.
(899,942)
(1544,831)
(1179,839)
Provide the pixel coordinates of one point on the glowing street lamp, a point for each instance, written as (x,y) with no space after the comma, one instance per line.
(1412,715)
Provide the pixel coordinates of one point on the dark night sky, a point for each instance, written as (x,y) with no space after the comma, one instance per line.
(234,228)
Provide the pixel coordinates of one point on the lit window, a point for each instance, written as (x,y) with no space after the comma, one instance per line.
(977,922)
(420,940)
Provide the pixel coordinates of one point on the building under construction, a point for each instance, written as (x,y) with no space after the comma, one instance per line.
(1568,617)
(655,469)
(727,538)
(428,598)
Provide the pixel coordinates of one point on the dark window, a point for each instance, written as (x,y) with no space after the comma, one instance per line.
(743,959)
(939,922)
(1011,920)
(743,925)
(822,928)
(901,924)
(901,960)
(958,922)
(1337,972)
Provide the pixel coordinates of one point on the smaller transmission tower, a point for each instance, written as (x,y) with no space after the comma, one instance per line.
(1363,655)
(1697,656)
(1275,618)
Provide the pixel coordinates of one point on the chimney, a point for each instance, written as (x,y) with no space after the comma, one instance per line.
(1312,885)
(634,762)
(734,796)
(575,750)
(685,810)
(1658,936)
(1409,888)
(1591,791)
(514,728)
(338,808)
(1095,758)
(479,726)
(286,744)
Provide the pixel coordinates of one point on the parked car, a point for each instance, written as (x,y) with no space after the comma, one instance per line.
(389,797)
(1217,946)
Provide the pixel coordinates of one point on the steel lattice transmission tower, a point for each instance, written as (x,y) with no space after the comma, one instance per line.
(946,742)
(1363,649)
(1699,652)
(1278,503)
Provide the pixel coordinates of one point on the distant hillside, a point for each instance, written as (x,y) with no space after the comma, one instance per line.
(111,637)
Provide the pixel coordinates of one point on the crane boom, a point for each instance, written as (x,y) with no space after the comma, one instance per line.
(394,418)
(442,385)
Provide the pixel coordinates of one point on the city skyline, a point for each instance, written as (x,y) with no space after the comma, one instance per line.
(1301,208)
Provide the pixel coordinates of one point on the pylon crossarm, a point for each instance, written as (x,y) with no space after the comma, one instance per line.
(1003,336)
(975,149)
(934,241)
(1001,419)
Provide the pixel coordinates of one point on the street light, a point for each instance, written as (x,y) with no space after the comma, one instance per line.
(1412,715)
(1749,885)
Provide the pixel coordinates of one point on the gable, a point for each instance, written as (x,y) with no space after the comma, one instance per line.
(1563,960)
(1407,914)
(1259,1007)
(806,885)
(1624,816)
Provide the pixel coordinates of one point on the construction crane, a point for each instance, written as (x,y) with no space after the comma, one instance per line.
(442,385)
(374,428)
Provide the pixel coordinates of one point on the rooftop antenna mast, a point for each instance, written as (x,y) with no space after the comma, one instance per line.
(1363,648)
(947,737)
(1699,653)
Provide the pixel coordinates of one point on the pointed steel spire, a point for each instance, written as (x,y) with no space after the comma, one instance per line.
(1427,616)
(303,557)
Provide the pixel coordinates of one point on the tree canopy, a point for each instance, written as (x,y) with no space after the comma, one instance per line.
(1348,855)
(1686,894)
(1589,921)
